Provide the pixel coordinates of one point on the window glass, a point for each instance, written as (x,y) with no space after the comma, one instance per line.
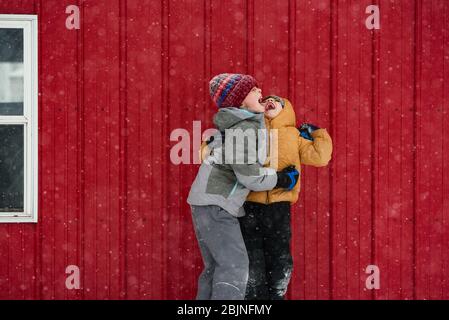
(11,168)
(11,71)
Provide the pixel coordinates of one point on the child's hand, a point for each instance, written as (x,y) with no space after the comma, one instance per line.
(306,129)
(287,178)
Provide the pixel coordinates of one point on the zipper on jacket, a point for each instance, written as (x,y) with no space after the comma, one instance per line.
(233,188)
(269,155)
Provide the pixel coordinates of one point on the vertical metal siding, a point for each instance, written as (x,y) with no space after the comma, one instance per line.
(111,202)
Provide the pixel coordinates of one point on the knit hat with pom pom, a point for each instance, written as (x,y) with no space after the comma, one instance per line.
(230,89)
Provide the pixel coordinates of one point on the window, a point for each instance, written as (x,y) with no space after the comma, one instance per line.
(18,118)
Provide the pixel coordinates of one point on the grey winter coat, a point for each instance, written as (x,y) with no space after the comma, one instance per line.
(236,166)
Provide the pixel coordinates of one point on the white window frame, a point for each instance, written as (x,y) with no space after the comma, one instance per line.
(30,116)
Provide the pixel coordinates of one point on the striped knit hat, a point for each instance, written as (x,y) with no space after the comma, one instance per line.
(230,89)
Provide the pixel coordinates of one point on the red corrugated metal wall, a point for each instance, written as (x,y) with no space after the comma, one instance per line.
(111,202)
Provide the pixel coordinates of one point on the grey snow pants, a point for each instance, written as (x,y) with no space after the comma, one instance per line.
(224,254)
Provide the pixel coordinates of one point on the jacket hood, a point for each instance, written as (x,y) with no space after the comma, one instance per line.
(228,117)
(286,118)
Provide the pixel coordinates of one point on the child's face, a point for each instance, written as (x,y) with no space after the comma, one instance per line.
(253,99)
(273,106)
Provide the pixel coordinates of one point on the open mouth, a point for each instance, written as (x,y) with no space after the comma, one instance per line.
(270,106)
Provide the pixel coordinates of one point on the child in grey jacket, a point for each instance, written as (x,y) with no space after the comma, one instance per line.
(224,181)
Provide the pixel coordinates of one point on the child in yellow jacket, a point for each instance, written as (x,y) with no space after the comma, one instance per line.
(266,225)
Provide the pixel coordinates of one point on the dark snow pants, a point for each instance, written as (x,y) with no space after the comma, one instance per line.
(224,254)
(267,233)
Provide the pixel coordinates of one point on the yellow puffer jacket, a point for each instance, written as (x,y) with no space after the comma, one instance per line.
(291,149)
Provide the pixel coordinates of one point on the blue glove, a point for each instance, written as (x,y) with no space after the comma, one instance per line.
(306,129)
(287,178)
